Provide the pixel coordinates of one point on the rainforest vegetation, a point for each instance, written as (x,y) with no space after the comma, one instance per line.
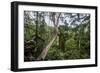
(56,36)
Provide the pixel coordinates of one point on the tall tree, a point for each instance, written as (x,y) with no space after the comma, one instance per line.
(54,17)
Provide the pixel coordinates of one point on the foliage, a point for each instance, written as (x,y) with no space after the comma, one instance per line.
(72,42)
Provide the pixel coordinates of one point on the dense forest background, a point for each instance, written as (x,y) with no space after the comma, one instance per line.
(56,36)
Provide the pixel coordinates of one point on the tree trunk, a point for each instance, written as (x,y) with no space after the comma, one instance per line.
(45,50)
